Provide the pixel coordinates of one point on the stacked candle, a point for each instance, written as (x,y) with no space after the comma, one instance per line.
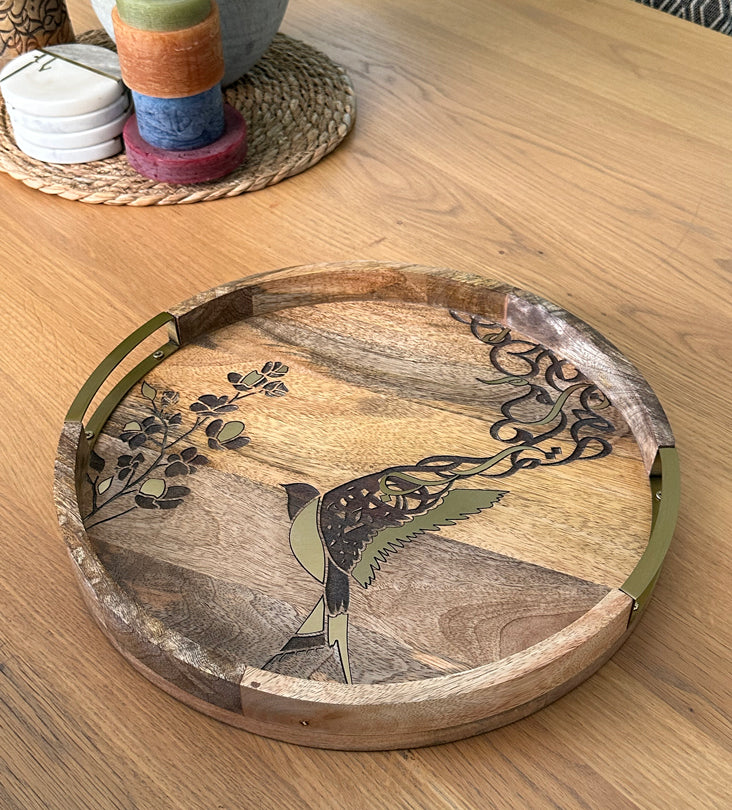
(67,103)
(171,58)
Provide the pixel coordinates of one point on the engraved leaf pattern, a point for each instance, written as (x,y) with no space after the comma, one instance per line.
(146,478)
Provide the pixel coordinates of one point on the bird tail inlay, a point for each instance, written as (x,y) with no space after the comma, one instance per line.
(315,622)
(338,638)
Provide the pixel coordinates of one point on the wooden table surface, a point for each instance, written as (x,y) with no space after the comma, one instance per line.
(580,149)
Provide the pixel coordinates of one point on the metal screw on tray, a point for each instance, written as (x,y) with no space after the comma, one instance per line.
(29,24)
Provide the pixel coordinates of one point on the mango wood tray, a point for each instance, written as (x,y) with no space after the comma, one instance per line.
(368,506)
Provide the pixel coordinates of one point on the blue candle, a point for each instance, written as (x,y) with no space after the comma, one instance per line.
(180,123)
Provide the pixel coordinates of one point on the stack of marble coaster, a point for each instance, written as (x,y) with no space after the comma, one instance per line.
(66,103)
(171,58)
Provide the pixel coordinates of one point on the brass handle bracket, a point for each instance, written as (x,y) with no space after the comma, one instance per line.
(665,493)
(88,391)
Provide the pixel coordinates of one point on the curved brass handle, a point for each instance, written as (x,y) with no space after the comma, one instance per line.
(96,379)
(666,492)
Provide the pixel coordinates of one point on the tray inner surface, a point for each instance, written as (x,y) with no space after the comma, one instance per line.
(190,517)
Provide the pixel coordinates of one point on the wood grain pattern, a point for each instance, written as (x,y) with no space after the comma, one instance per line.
(474,700)
(592,166)
(346,375)
(545,322)
(322,724)
(339,281)
(514,605)
(353,387)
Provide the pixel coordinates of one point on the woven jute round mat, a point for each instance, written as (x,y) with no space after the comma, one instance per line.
(298,105)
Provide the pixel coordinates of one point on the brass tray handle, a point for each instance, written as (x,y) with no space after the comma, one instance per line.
(88,391)
(665,483)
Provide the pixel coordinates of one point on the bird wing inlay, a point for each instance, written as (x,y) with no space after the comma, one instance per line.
(351,515)
(459,504)
(305,541)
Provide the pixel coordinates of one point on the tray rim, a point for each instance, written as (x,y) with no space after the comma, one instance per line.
(366,280)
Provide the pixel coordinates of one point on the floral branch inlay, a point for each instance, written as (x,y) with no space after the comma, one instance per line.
(141,478)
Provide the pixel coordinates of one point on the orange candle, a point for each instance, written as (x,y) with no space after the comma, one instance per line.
(171,64)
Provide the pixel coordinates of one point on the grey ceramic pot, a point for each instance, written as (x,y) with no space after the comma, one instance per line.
(247,28)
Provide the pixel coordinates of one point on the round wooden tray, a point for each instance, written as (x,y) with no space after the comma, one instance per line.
(368,506)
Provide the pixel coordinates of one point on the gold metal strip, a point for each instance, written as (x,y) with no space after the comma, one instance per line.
(666,494)
(81,65)
(109,403)
(53,56)
(97,378)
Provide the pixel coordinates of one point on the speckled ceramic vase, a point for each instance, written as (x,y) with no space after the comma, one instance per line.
(247,28)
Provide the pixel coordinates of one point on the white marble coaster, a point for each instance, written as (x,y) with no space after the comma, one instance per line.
(72,140)
(45,83)
(83,155)
(70,123)
(93,56)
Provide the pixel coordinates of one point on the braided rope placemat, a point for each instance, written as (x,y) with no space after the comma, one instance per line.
(298,105)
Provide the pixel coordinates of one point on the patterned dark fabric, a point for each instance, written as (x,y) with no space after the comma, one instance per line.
(716,14)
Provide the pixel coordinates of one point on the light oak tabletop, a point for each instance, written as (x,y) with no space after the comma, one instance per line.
(582,150)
